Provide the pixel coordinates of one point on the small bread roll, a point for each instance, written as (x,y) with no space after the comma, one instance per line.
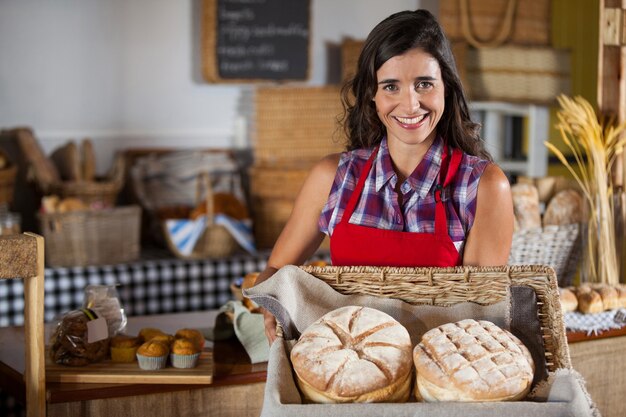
(472,361)
(621,295)
(566,207)
(569,301)
(71,204)
(354,354)
(526,205)
(590,302)
(608,294)
(49,204)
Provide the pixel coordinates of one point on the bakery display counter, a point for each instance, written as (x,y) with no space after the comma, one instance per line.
(236,389)
(238,386)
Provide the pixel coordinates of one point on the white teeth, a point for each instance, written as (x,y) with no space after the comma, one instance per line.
(411,121)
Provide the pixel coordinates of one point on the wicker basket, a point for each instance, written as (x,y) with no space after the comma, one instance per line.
(296,125)
(531,25)
(269,217)
(449,286)
(216,241)
(275,182)
(84,238)
(104,191)
(350,51)
(7,184)
(517,74)
(556,246)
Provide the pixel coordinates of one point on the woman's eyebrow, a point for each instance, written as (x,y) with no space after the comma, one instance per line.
(421,78)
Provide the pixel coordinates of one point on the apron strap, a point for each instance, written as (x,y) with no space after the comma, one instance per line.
(356,193)
(449,167)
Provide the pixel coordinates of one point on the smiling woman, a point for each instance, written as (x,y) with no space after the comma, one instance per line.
(415,186)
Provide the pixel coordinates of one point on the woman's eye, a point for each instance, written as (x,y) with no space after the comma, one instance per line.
(390,87)
(423,85)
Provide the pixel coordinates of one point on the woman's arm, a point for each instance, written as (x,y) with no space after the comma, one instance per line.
(489,240)
(301,236)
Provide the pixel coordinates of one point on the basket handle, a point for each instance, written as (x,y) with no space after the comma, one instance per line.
(204,184)
(501,36)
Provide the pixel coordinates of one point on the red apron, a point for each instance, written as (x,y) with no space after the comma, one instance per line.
(352,244)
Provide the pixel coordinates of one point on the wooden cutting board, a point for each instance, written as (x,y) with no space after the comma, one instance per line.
(130,373)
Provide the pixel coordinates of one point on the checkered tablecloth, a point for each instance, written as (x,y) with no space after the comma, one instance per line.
(157,285)
(595,323)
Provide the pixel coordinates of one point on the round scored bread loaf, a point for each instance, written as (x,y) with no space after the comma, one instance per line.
(354,354)
(471,361)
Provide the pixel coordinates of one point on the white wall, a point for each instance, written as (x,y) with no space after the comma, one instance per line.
(126,73)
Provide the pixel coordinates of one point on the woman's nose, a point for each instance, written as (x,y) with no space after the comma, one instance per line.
(412,101)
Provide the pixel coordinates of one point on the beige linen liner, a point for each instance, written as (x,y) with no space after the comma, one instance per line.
(477,292)
(449,286)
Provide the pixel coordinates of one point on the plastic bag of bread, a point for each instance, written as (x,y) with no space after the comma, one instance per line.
(105,301)
(80,338)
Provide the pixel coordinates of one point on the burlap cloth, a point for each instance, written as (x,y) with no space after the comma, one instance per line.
(297,299)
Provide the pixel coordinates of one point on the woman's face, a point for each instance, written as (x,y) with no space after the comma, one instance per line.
(410,97)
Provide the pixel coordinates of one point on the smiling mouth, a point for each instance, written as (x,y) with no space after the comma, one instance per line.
(411,120)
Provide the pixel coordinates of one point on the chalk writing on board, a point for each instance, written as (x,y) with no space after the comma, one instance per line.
(262,39)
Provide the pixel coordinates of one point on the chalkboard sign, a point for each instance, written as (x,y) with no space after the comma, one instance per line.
(250,40)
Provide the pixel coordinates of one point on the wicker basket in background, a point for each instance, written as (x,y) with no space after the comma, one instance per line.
(103,192)
(296,125)
(293,128)
(556,246)
(449,286)
(216,241)
(530,26)
(517,74)
(93,237)
(350,51)
(7,184)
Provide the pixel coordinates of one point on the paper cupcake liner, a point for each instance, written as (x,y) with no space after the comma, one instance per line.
(123,355)
(151,363)
(184,361)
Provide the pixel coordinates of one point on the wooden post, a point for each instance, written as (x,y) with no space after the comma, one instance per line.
(612,67)
(612,97)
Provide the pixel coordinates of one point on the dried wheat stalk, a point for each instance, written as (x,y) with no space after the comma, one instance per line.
(595,148)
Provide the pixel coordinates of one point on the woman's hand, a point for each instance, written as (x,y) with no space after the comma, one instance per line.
(270,325)
(269,321)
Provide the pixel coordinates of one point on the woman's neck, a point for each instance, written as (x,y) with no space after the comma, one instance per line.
(406,157)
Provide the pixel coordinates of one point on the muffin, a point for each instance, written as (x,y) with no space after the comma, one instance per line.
(193,335)
(164,338)
(185,353)
(148,333)
(152,355)
(124,348)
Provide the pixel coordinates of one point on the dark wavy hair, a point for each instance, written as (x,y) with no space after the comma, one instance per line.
(394,36)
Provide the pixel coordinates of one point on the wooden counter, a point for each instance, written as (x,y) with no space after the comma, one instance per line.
(601,360)
(236,390)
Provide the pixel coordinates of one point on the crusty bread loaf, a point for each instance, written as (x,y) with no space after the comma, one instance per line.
(471,361)
(590,302)
(569,301)
(526,205)
(354,354)
(566,207)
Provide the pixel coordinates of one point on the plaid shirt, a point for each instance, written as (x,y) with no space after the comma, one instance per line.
(378,206)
